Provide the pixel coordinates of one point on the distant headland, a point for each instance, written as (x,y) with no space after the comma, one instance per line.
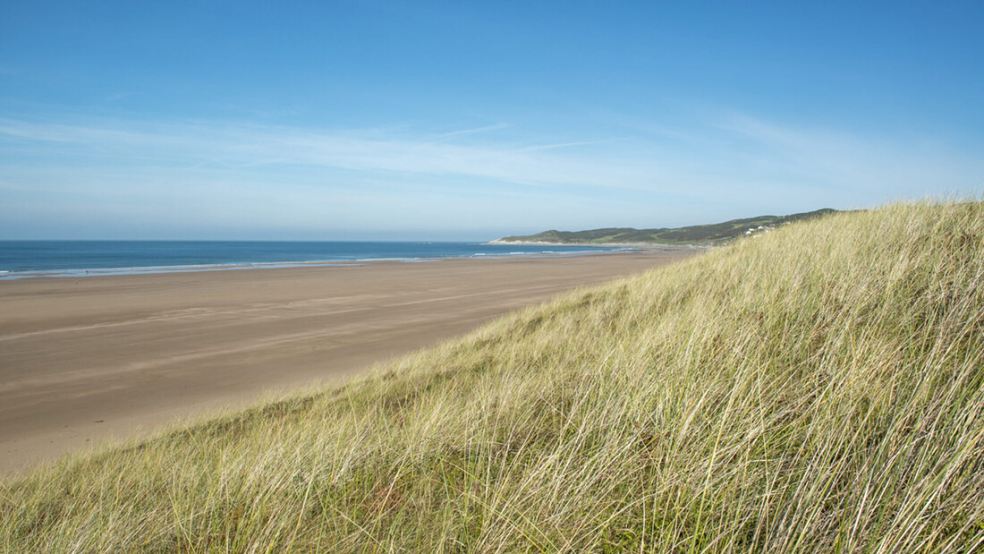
(704,235)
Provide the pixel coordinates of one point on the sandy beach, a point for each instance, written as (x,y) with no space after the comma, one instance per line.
(84,361)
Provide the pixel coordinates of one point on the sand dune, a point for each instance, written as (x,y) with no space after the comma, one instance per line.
(86,360)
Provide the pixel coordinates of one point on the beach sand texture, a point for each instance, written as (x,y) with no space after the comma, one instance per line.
(83,361)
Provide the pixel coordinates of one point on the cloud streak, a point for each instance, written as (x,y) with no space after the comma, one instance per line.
(735,165)
(245,147)
(752,147)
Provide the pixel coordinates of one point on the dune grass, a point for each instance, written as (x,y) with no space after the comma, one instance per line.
(818,388)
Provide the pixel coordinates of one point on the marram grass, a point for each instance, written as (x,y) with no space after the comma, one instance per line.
(819,388)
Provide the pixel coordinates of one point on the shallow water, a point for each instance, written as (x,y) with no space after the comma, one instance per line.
(19,259)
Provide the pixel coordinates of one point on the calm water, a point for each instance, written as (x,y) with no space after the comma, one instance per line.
(20,259)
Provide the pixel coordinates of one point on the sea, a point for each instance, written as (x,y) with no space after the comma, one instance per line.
(82,258)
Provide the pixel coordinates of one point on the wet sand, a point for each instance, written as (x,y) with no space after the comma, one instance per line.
(84,361)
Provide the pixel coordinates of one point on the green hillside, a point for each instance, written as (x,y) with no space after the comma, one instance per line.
(696,234)
(819,389)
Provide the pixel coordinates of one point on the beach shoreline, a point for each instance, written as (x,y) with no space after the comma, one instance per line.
(64,259)
(88,360)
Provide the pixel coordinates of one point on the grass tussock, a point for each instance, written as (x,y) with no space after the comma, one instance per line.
(819,388)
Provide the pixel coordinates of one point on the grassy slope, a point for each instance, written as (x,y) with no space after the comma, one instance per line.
(695,234)
(820,387)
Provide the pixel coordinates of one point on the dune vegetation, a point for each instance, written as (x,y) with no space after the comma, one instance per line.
(816,388)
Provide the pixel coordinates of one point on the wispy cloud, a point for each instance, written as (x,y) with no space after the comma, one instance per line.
(472,131)
(734,164)
(244,146)
(838,159)
(560,145)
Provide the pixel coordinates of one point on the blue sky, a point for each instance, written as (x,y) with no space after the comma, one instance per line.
(380,120)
